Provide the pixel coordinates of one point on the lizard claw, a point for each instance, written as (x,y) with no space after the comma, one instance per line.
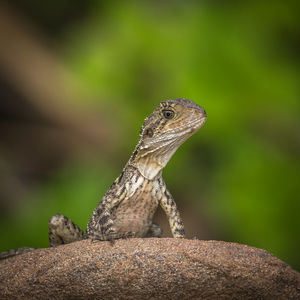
(97,237)
(128,235)
(112,241)
(114,237)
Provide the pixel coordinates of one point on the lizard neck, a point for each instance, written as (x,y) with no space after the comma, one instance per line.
(148,167)
(150,162)
(133,180)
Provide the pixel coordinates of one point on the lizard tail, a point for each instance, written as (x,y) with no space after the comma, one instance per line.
(14,252)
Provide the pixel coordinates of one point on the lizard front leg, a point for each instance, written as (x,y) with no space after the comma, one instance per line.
(169,206)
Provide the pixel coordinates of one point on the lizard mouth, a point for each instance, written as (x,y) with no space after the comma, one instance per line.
(192,127)
(197,124)
(200,122)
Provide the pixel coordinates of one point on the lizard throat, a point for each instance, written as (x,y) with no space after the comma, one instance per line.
(148,166)
(150,162)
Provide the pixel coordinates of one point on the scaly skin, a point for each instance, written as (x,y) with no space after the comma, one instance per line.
(127,209)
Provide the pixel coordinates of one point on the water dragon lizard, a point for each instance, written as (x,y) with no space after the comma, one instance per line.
(127,209)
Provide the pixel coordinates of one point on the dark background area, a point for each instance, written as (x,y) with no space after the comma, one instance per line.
(77,79)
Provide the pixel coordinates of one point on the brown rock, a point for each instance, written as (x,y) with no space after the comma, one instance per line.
(148,269)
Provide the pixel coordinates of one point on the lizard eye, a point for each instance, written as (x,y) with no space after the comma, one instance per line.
(168,114)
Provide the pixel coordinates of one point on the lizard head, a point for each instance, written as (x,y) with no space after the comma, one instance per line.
(171,123)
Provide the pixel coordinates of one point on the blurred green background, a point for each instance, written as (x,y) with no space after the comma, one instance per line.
(77,78)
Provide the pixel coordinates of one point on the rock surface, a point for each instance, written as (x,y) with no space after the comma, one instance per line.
(148,269)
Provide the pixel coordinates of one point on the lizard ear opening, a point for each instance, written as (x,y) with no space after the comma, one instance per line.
(149,132)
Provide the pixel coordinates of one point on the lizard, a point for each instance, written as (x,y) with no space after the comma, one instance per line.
(128,207)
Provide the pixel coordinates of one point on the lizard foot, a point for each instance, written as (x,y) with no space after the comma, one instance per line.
(111,236)
(117,236)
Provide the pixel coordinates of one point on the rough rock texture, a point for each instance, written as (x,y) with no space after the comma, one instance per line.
(148,268)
